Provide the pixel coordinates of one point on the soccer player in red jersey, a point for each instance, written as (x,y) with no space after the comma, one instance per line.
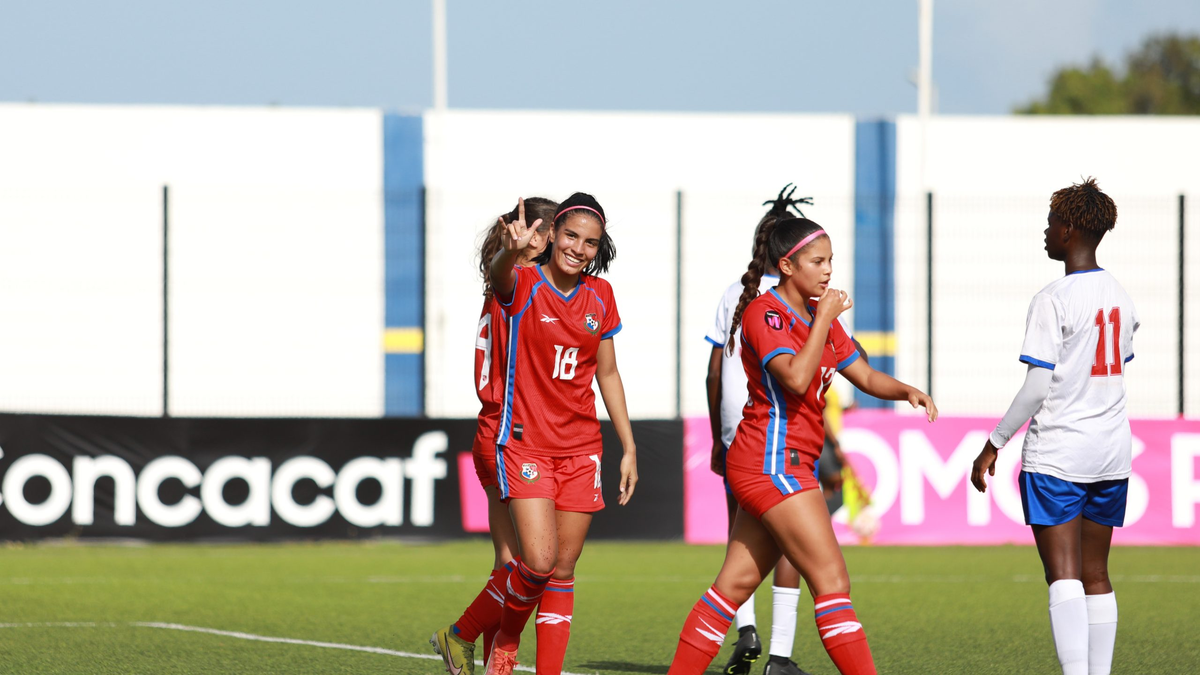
(790,351)
(456,642)
(726,397)
(561,321)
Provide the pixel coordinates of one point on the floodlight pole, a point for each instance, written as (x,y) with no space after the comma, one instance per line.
(439,55)
(924,109)
(924,76)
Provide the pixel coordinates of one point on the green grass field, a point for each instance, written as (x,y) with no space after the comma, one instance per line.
(76,609)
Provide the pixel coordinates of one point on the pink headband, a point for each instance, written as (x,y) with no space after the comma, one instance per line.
(572,208)
(804,242)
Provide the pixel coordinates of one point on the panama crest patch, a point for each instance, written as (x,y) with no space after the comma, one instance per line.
(529,472)
(592,323)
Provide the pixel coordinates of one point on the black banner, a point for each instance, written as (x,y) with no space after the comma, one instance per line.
(189,478)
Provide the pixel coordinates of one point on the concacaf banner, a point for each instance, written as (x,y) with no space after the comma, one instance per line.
(281,478)
(918,476)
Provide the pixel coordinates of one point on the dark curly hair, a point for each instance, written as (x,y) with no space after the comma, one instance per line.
(1084,207)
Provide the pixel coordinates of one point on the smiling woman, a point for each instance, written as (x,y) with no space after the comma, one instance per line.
(548,447)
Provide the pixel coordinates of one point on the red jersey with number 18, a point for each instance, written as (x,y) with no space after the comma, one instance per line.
(775,421)
(548,406)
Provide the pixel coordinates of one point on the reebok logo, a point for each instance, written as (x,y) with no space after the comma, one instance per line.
(836,629)
(549,319)
(712,633)
(552,619)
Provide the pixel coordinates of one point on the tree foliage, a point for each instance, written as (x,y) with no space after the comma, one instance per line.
(1162,77)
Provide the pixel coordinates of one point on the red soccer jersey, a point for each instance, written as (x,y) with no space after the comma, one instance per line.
(489,379)
(776,421)
(548,406)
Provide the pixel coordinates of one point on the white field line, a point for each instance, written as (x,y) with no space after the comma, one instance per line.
(248,636)
(56,624)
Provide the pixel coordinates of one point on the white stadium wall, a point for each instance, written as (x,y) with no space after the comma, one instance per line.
(478,162)
(992,178)
(275,260)
(277,251)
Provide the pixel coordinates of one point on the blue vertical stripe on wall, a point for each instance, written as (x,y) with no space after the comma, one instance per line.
(404,265)
(874,269)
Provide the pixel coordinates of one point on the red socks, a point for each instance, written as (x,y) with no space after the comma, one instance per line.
(524,591)
(484,610)
(554,625)
(703,633)
(842,634)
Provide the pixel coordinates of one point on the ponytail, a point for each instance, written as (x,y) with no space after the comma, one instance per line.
(753,276)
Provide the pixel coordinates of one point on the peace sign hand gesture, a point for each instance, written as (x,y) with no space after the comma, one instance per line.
(518,233)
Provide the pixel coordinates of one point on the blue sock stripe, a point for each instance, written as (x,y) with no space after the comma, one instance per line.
(834,609)
(510,565)
(556,589)
(717,609)
(532,577)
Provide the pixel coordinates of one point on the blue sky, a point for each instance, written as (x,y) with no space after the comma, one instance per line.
(702,55)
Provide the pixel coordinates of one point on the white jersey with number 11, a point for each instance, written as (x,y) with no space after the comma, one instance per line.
(1081,327)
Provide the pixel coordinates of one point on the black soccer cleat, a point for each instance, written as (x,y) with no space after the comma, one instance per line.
(777,665)
(746,651)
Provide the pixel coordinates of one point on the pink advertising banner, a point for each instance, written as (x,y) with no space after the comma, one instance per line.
(918,474)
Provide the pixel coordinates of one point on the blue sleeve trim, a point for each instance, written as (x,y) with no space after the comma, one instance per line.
(720,344)
(776,352)
(848,360)
(612,332)
(1129,359)
(1036,362)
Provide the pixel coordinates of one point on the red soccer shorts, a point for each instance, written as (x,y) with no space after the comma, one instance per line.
(572,482)
(484,453)
(757,492)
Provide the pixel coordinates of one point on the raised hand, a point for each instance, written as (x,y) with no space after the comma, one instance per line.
(832,303)
(518,233)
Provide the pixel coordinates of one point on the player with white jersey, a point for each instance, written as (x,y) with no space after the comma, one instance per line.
(1077,456)
(727,394)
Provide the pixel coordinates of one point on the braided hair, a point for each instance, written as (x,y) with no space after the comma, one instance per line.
(779,209)
(776,236)
(493,241)
(1084,207)
(781,204)
(585,204)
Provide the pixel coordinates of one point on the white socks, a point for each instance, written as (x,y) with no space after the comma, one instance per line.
(745,613)
(1069,625)
(783,620)
(1102,632)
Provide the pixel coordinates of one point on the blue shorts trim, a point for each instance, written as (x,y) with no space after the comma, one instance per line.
(1047,500)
